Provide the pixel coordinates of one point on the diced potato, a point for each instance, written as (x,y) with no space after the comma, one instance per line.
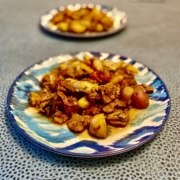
(86,68)
(126,93)
(93,26)
(83,103)
(87,57)
(140,99)
(131,69)
(58,120)
(86,23)
(75,15)
(63,26)
(111,65)
(57,18)
(34,99)
(99,27)
(96,14)
(117,79)
(98,65)
(64,66)
(98,126)
(83,12)
(107,22)
(77,27)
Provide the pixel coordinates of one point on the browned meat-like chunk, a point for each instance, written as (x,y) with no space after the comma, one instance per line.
(78,123)
(65,86)
(57,104)
(48,96)
(70,103)
(118,118)
(68,85)
(46,100)
(50,81)
(61,88)
(108,92)
(128,81)
(70,110)
(67,100)
(94,96)
(111,106)
(59,117)
(92,110)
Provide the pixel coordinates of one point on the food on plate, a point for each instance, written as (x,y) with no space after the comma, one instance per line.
(82,20)
(91,94)
(98,126)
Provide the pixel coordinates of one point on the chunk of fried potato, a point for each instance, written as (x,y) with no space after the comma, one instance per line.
(140,99)
(77,27)
(126,93)
(34,99)
(57,18)
(83,103)
(63,26)
(98,126)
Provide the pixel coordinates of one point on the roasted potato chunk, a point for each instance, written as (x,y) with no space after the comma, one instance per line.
(34,99)
(140,99)
(98,126)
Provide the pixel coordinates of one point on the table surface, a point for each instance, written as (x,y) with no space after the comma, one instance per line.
(151,37)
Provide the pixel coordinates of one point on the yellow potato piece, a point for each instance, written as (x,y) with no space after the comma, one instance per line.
(83,103)
(126,93)
(96,14)
(99,27)
(63,26)
(117,79)
(107,22)
(77,27)
(98,126)
(131,69)
(57,18)
(98,65)
(86,23)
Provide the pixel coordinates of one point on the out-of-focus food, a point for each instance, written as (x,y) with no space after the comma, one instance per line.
(91,94)
(82,20)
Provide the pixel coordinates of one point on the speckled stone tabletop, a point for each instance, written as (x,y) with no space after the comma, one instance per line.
(151,37)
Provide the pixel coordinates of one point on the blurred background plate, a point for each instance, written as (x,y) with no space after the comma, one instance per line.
(119,17)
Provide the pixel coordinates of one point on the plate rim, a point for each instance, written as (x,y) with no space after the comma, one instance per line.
(83,36)
(81,155)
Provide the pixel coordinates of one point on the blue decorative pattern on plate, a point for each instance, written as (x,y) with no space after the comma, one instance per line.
(120,21)
(57,138)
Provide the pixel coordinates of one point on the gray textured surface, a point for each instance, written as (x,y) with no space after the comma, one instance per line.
(151,37)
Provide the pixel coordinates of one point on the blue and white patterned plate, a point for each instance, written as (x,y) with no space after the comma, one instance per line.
(120,21)
(57,138)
